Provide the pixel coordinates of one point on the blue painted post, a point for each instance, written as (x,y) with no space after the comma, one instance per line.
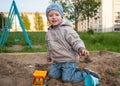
(8,23)
(22,25)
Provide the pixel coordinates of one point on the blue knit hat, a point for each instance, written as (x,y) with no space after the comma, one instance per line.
(54,6)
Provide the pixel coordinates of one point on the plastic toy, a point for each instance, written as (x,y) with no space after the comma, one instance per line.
(39,78)
(91,81)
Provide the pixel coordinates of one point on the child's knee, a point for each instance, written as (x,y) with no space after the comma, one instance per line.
(66,79)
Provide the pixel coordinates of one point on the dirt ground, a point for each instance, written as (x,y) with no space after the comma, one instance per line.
(16,69)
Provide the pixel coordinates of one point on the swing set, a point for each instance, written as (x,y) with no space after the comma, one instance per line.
(13,13)
(16,39)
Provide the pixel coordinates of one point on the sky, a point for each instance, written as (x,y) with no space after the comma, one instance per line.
(25,5)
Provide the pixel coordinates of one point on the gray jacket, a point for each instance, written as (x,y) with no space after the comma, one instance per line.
(63,43)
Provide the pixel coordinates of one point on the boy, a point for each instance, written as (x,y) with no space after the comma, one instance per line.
(64,47)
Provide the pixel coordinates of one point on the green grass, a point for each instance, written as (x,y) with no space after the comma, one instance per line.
(98,41)
(102,41)
(36,38)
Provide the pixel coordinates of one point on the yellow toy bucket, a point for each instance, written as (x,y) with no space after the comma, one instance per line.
(40,73)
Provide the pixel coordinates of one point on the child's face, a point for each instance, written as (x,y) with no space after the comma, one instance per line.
(54,17)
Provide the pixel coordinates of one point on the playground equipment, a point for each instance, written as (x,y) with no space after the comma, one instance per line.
(91,81)
(8,23)
(16,39)
(39,78)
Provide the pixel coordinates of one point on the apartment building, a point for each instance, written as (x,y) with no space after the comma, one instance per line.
(116,15)
(109,18)
(31,16)
(108,21)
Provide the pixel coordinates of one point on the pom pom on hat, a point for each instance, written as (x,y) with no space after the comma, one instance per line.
(54,6)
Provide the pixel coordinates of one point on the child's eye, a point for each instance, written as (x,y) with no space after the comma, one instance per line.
(50,15)
(57,14)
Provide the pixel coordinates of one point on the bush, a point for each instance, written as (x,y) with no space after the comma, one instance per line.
(90,31)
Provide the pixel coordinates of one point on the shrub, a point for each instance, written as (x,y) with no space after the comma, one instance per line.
(90,31)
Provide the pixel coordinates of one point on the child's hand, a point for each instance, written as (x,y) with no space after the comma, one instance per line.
(84,52)
(48,60)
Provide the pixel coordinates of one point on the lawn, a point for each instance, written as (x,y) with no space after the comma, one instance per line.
(98,41)
(109,41)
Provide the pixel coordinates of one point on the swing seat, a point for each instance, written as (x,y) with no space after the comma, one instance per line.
(16,40)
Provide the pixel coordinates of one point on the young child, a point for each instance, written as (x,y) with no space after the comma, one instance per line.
(64,47)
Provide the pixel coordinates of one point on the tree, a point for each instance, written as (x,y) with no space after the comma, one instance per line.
(0,20)
(38,21)
(26,21)
(76,9)
(88,9)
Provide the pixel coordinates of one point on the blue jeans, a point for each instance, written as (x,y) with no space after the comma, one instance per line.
(67,71)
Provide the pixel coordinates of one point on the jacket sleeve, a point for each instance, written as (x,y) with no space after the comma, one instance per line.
(48,55)
(48,52)
(74,40)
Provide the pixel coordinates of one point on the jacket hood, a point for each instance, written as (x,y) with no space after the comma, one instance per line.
(66,22)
